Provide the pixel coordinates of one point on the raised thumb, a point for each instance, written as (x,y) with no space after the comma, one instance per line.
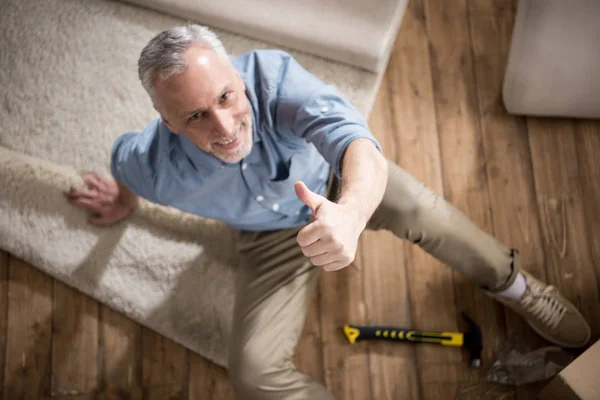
(311,199)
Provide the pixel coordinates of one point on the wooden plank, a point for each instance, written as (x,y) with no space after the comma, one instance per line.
(456,381)
(392,365)
(308,356)
(587,141)
(74,342)
(29,333)
(496,8)
(385,263)
(346,366)
(164,367)
(508,161)
(465,181)
(207,381)
(506,146)
(567,243)
(121,356)
(417,147)
(441,381)
(4,257)
(88,396)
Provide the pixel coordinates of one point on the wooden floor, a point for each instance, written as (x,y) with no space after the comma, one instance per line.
(533,183)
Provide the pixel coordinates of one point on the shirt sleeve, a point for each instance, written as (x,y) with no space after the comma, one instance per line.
(316,112)
(131,163)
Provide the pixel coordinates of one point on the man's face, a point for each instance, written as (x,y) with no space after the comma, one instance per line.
(207,103)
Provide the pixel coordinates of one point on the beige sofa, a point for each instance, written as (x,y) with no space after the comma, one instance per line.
(356,32)
(554,61)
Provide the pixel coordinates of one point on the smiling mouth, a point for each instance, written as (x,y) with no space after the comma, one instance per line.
(226,142)
(231,143)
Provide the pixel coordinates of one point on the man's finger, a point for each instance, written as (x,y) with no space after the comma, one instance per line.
(311,199)
(318,247)
(334,266)
(92,180)
(105,201)
(88,204)
(80,193)
(324,259)
(308,235)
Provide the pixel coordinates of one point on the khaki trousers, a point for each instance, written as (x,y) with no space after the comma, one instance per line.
(275,283)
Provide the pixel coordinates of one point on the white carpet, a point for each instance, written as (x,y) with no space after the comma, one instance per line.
(68,88)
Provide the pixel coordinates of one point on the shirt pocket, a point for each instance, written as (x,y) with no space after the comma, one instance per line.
(284,188)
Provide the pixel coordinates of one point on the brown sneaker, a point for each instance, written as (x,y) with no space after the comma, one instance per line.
(552,316)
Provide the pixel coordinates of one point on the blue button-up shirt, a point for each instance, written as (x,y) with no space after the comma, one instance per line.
(301,128)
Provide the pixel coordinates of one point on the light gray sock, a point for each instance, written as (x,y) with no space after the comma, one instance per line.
(516,290)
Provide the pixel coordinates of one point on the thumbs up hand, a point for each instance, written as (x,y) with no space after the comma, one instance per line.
(330,241)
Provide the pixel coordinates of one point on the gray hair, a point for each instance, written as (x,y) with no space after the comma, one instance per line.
(164,53)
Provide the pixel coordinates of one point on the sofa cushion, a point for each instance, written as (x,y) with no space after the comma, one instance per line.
(360,33)
(553,66)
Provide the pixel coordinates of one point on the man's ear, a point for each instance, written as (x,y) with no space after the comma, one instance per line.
(165,120)
(168,124)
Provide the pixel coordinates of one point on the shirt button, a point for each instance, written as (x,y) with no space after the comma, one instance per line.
(275,207)
(259,198)
(298,212)
(244,165)
(324,109)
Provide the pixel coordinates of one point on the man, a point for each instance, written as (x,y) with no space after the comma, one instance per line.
(261,144)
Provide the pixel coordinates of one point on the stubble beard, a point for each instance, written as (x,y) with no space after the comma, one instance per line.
(242,150)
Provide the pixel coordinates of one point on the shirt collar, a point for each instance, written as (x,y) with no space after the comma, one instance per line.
(251,98)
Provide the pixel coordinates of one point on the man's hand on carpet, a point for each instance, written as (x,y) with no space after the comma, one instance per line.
(102,196)
(330,241)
